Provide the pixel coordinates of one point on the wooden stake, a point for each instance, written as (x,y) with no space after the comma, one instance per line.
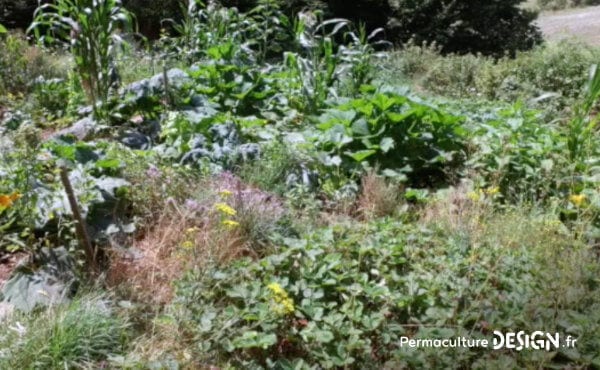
(166,83)
(80,228)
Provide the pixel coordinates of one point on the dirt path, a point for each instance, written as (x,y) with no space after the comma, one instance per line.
(582,23)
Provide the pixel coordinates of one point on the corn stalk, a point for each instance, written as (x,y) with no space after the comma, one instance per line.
(91,28)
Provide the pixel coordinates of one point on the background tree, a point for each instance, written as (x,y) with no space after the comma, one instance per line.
(490,27)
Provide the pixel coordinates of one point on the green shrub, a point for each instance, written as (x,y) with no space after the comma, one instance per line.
(21,64)
(53,96)
(532,160)
(405,138)
(559,68)
(524,157)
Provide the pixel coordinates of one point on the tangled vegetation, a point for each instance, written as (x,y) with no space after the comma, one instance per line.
(265,187)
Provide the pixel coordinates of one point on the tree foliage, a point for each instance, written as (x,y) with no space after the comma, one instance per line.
(491,27)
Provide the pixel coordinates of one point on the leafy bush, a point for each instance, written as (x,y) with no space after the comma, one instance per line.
(52,95)
(41,216)
(402,136)
(213,139)
(21,64)
(532,162)
(559,69)
(522,157)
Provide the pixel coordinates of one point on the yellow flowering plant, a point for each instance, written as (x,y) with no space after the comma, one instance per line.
(578,200)
(230,224)
(225,209)
(225,193)
(227,212)
(281,303)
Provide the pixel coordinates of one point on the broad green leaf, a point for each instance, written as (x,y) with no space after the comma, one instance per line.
(254,339)
(399,117)
(394,175)
(361,155)
(361,127)
(108,163)
(383,102)
(324,336)
(386,144)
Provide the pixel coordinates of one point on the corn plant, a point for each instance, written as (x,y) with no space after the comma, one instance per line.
(582,127)
(315,70)
(204,27)
(358,57)
(270,30)
(92,26)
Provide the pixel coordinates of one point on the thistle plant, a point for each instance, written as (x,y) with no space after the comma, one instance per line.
(91,28)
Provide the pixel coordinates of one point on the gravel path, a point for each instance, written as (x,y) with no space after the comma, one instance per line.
(582,23)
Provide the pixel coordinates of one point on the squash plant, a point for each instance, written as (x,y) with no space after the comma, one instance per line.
(405,138)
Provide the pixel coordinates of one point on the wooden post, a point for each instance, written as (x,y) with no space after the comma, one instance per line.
(80,228)
(166,83)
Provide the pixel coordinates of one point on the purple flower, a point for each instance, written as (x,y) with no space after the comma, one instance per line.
(192,205)
(153,172)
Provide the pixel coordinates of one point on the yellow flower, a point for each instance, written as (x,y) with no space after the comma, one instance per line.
(191,230)
(276,289)
(284,305)
(225,209)
(475,196)
(492,190)
(230,223)
(577,199)
(225,193)
(188,244)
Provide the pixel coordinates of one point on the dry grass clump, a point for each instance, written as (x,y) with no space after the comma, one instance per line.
(222,220)
(177,242)
(378,197)
(464,210)
(458,208)
(148,268)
